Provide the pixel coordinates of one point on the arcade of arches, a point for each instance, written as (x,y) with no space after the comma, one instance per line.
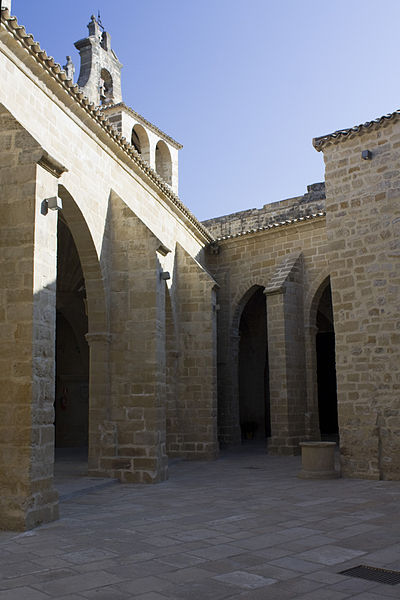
(132,329)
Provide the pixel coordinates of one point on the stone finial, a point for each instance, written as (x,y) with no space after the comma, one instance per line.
(94,28)
(69,68)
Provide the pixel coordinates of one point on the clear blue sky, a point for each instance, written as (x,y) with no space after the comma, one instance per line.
(244,84)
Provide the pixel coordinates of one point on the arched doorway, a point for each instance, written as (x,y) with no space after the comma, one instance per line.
(254,410)
(72,351)
(326,369)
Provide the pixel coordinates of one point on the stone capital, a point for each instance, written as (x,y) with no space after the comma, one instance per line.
(100,337)
(275,291)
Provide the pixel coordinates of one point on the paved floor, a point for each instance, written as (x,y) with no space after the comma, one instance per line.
(243,527)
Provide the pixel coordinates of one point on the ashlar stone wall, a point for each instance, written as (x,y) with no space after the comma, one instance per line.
(289,262)
(363,229)
(27,341)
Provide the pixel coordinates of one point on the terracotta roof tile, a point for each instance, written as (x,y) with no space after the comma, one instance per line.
(271,226)
(337,136)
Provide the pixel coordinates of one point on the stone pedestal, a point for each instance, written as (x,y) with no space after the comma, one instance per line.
(318,460)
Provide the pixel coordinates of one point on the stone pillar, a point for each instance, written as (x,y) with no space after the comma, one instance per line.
(137,407)
(312,431)
(6,4)
(230,413)
(197,408)
(27,332)
(278,384)
(288,402)
(102,435)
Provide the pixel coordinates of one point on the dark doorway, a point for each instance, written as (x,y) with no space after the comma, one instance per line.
(253,369)
(326,369)
(72,352)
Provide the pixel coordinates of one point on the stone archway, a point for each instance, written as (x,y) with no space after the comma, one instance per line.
(72,352)
(88,296)
(326,368)
(253,369)
(321,368)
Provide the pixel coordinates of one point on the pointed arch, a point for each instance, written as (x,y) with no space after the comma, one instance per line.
(321,362)
(98,335)
(94,282)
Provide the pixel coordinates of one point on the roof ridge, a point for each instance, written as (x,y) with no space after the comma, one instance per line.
(336,136)
(55,70)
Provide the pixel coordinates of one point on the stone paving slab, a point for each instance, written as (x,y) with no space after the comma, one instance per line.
(243,527)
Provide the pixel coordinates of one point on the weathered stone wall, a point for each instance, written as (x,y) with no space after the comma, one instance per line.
(363,228)
(27,292)
(310,203)
(193,422)
(265,258)
(137,355)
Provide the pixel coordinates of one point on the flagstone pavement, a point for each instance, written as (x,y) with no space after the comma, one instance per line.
(241,527)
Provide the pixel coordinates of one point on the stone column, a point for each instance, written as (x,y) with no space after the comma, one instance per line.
(231,416)
(286,367)
(137,404)
(102,432)
(27,332)
(279,442)
(312,431)
(197,408)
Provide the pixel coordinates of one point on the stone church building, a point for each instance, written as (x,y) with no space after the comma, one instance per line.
(132,329)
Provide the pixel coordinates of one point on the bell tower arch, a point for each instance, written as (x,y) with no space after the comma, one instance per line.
(100,72)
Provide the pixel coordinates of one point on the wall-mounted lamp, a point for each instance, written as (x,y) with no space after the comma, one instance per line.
(366,154)
(164,275)
(54,203)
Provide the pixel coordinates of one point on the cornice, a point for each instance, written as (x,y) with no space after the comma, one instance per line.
(154,128)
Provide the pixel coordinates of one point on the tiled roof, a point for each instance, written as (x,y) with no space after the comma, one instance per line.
(144,121)
(53,69)
(272,226)
(337,136)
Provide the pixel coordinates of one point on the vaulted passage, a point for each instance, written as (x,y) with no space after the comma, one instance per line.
(326,370)
(72,352)
(253,369)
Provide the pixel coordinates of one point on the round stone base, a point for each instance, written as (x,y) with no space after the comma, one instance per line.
(318,460)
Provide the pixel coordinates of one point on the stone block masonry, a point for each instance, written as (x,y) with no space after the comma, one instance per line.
(27,273)
(312,202)
(363,229)
(289,262)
